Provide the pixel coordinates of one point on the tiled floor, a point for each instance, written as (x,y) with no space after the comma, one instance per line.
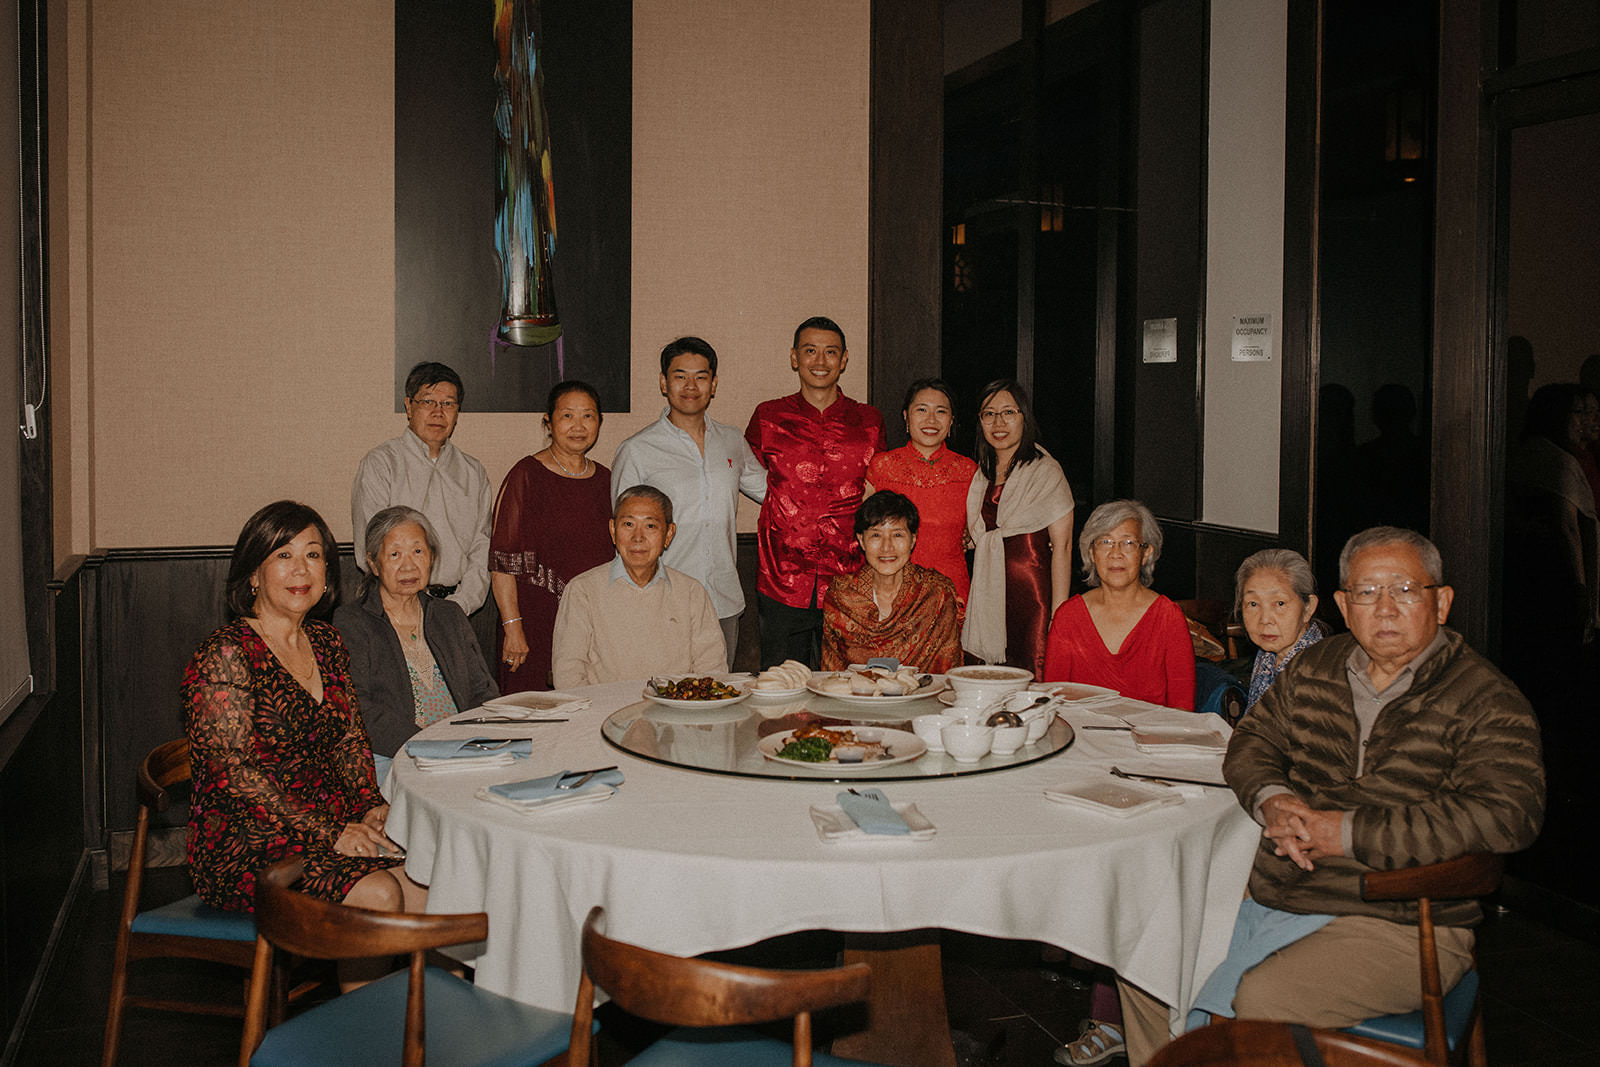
(1540,993)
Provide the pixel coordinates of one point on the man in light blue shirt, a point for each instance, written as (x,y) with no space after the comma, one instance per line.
(703,465)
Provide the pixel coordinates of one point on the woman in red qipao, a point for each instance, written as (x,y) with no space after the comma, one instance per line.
(933,478)
(891,607)
(1019,513)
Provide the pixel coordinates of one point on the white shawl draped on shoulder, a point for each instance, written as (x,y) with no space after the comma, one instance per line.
(1036,495)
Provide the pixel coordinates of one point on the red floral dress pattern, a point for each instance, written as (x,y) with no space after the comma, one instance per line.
(275,772)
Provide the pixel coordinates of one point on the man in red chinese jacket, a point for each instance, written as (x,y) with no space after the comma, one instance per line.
(815,444)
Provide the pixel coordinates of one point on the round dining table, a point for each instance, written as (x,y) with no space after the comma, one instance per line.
(691,861)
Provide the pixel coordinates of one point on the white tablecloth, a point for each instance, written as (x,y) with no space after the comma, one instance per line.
(687,862)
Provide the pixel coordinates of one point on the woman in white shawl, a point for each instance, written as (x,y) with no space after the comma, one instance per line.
(1019,516)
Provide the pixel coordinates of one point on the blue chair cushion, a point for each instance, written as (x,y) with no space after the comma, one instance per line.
(726,1045)
(191,918)
(464,1025)
(1407,1029)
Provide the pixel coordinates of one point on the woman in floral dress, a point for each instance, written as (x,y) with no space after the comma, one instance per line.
(279,754)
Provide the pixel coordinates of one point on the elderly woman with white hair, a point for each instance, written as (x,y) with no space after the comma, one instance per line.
(1275,596)
(413,657)
(1120,633)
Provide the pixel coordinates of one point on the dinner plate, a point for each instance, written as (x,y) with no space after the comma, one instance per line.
(933,688)
(902,746)
(740,682)
(1075,692)
(1112,796)
(530,701)
(777,694)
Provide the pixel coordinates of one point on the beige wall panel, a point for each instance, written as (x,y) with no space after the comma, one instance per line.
(241,284)
(749,192)
(241,257)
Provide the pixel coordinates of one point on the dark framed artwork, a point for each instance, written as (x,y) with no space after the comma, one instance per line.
(448,277)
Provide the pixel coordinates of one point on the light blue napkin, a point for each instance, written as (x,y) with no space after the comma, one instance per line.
(871,811)
(548,786)
(458,749)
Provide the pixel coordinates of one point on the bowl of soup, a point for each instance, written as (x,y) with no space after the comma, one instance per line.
(989,680)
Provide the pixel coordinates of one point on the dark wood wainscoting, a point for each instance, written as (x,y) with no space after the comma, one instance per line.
(1199,560)
(42,837)
(153,608)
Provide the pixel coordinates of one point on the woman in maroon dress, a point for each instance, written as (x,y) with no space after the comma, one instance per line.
(277,746)
(550,525)
(933,478)
(1019,514)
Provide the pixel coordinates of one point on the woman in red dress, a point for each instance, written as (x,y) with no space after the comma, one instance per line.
(1019,513)
(933,478)
(551,523)
(1120,633)
(277,746)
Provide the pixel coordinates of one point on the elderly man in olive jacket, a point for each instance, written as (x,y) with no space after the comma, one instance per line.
(1391,746)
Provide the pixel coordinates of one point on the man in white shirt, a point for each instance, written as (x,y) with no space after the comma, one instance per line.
(703,465)
(421,469)
(634,617)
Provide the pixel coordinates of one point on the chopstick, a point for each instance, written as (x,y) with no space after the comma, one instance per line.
(1120,773)
(499,720)
(1124,729)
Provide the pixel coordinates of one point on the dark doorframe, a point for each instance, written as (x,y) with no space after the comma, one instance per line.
(905,207)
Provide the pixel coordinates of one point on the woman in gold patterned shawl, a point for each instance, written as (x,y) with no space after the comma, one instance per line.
(890,607)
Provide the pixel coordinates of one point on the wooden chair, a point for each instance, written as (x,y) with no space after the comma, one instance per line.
(1250,1043)
(186,929)
(384,1021)
(1216,616)
(721,997)
(1449,1026)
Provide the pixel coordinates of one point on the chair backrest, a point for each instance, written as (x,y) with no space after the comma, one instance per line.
(323,930)
(691,992)
(1252,1043)
(167,765)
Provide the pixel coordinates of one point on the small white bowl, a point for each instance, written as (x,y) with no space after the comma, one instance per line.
(1038,721)
(993,681)
(967,744)
(927,727)
(1007,739)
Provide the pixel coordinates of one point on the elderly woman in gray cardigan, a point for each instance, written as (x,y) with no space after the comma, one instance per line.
(413,657)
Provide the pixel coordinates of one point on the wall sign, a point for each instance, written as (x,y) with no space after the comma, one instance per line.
(1161,340)
(1252,338)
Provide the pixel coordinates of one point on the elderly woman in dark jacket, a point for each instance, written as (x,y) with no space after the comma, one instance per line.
(413,658)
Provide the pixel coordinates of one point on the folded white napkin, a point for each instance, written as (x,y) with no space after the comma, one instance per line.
(1179,740)
(834,825)
(589,794)
(463,763)
(527,710)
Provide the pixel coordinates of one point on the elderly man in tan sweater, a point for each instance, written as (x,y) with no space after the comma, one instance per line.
(634,617)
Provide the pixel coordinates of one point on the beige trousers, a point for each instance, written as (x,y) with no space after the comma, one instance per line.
(1357,967)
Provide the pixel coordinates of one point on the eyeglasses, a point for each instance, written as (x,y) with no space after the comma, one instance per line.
(446,406)
(1403,593)
(1004,415)
(1127,544)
